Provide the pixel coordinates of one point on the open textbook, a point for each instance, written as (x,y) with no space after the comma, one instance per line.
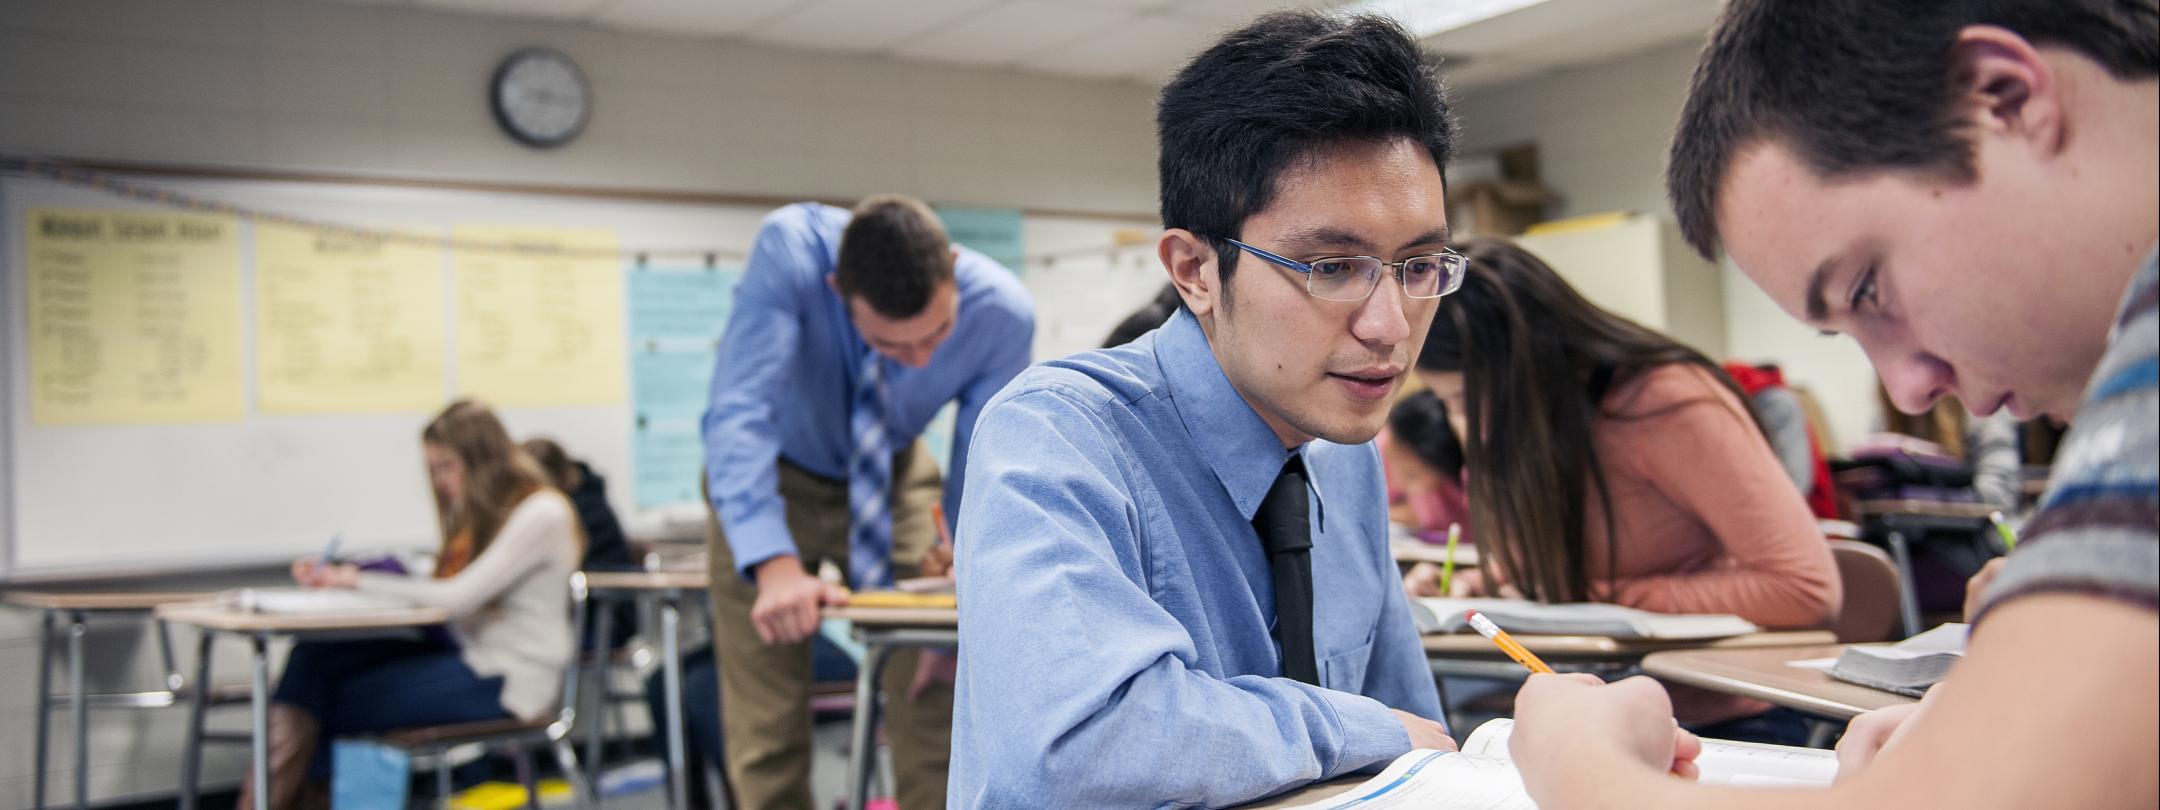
(307,600)
(1576,619)
(1907,668)
(1483,777)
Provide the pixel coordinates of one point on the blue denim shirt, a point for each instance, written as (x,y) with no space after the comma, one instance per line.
(1116,605)
(788,362)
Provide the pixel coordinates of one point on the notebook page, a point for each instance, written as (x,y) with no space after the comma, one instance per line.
(1426,779)
(1722,761)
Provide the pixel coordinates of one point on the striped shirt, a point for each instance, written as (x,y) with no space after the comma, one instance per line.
(2098,528)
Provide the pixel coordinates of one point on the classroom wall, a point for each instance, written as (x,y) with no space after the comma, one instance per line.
(1602,132)
(383,90)
(394,92)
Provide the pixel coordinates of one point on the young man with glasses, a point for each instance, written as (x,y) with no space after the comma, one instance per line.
(1972,191)
(1175,581)
(851,329)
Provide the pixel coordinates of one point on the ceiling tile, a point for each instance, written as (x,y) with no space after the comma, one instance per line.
(1010,31)
(532,9)
(862,25)
(1148,44)
(696,18)
(1233,13)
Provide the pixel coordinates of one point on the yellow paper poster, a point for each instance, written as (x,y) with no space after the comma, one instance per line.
(539,316)
(346,322)
(134,317)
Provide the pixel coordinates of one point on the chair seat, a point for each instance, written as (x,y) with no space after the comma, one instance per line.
(461,733)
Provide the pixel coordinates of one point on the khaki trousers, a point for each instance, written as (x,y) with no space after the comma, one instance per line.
(765,689)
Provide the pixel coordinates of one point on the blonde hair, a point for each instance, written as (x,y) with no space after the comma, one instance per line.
(498,474)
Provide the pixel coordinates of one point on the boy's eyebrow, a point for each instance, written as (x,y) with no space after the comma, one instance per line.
(1818,309)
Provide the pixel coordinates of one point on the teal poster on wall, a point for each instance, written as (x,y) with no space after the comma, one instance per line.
(993,232)
(676,317)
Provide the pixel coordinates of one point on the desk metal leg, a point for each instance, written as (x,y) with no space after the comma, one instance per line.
(862,756)
(603,665)
(671,676)
(1908,596)
(44,709)
(191,754)
(173,681)
(79,708)
(259,705)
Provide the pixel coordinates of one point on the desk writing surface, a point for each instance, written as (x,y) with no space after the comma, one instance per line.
(935,618)
(97,600)
(213,616)
(1948,509)
(648,580)
(1472,645)
(1765,674)
(1412,551)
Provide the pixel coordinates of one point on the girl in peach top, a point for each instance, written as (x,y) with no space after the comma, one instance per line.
(1609,463)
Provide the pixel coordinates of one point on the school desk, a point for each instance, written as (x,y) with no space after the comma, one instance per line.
(73,609)
(258,628)
(1903,522)
(667,588)
(1766,675)
(882,631)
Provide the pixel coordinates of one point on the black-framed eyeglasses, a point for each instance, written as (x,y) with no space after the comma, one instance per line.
(1353,278)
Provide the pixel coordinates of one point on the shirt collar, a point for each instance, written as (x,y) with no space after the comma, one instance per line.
(1236,443)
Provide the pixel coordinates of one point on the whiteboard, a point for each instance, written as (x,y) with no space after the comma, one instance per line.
(114,500)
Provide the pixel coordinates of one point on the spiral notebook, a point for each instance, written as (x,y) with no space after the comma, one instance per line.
(1483,776)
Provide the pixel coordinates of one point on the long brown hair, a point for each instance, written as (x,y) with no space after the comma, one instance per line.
(498,473)
(1537,361)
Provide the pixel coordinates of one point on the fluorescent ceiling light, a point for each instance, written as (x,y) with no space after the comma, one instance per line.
(1427,18)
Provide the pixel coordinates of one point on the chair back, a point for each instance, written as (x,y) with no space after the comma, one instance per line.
(1872,593)
(580,609)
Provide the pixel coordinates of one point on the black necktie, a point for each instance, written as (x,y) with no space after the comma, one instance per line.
(1285,530)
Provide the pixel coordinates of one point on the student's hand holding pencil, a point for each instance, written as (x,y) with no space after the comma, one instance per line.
(1576,733)
(311,572)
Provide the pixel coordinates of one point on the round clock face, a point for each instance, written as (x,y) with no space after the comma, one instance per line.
(540,97)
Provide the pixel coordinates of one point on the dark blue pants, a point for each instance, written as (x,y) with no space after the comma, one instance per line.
(364,687)
(1775,727)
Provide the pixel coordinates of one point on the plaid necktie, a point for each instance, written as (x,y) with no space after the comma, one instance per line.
(870,481)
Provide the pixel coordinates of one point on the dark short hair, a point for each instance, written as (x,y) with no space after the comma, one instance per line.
(1854,86)
(1154,313)
(1419,422)
(1275,91)
(893,254)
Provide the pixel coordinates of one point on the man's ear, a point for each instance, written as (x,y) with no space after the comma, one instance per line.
(833,280)
(1191,261)
(2006,89)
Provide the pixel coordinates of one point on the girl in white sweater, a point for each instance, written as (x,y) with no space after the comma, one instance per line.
(509,545)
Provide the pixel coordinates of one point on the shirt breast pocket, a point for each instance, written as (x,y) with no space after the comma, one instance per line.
(1345,671)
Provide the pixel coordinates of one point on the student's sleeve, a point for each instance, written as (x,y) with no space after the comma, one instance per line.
(1075,688)
(1015,349)
(1998,467)
(1785,423)
(1709,460)
(757,349)
(538,528)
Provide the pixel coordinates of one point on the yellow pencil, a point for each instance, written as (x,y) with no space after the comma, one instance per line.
(1508,644)
(1447,566)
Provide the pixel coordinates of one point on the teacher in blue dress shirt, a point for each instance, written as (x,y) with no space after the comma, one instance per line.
(850,331)
(1175,586)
